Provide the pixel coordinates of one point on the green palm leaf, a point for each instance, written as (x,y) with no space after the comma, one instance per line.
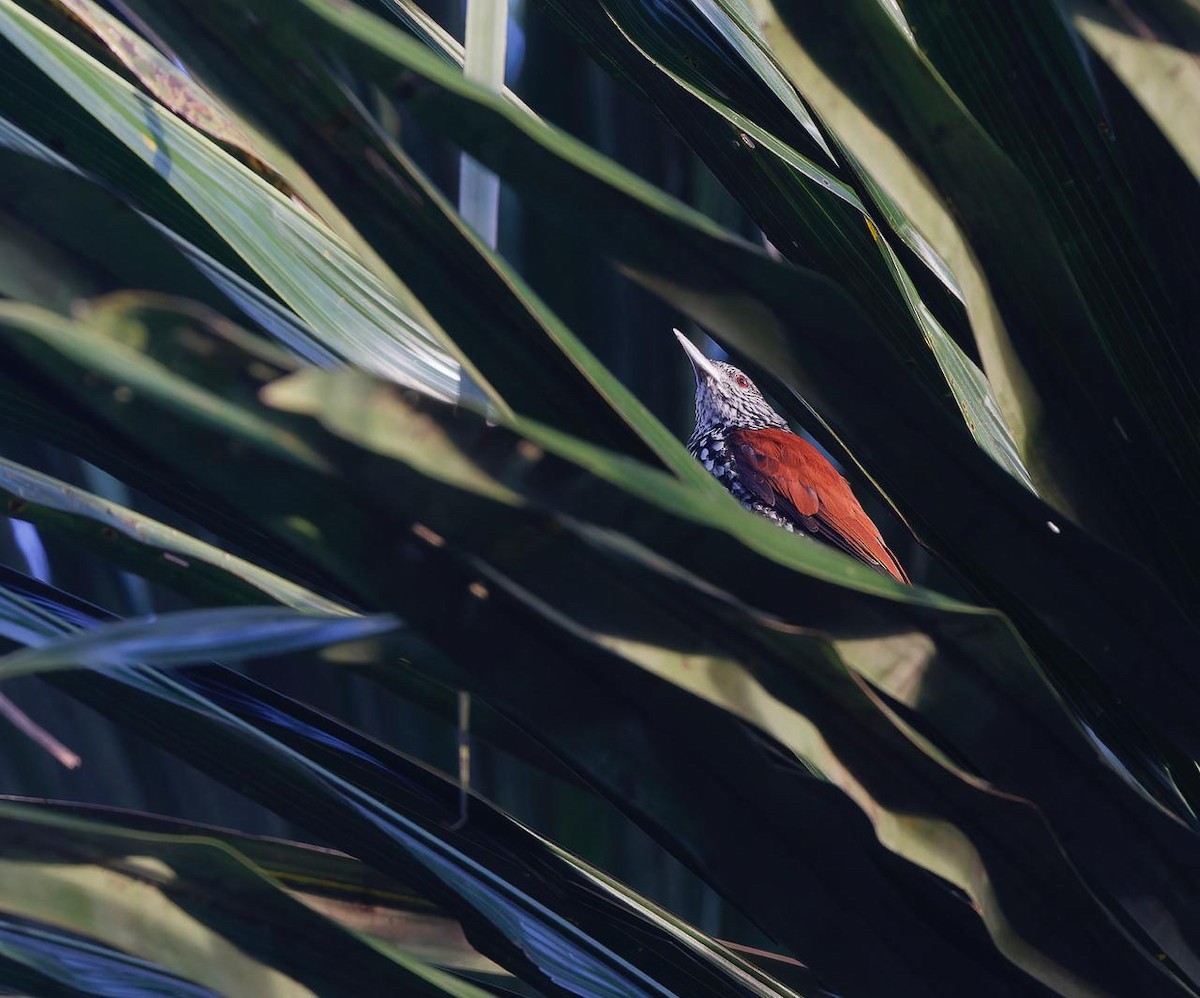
(703,755)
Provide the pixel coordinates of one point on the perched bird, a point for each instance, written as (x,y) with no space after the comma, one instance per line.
(752,451)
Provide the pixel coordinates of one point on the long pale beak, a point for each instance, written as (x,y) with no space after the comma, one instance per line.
(700,363)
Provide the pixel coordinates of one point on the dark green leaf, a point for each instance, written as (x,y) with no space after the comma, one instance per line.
(289,250)
(191,903)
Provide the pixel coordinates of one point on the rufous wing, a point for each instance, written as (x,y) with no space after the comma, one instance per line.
(787,473)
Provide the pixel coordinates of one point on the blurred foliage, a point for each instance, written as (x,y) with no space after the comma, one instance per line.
(297,468)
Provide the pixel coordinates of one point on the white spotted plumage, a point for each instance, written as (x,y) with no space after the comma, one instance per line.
(708,447)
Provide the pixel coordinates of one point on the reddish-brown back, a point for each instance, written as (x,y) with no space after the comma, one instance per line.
(787,473)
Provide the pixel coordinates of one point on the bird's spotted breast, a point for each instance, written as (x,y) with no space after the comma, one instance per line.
(711,450)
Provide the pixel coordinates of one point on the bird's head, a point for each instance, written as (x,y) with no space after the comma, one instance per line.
(725,396)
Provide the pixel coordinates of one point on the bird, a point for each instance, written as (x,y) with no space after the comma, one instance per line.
(752,451)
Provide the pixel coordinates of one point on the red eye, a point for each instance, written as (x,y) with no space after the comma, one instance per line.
(742,381)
